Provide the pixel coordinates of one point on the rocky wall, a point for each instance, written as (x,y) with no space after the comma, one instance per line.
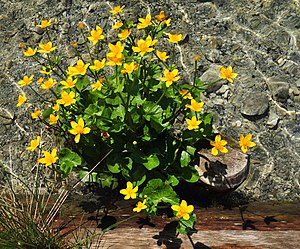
(260,39)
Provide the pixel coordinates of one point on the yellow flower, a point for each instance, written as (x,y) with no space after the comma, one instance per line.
(246,142)
(79,68)
(144,46)
(68,83)
(40,81)
(34,144)
(140,206)
(55,107)
(115,55)
(218,145)
(183,210)
(36,114)
(168,21)
(115,49)
(195,106)
(170,77)
(78,129)
(96,35)
(161,17)
(227,73)
(193,123)
(66,98)
(125,34)
(21,99)
(144,22)
(26,80)
(98,65)
(117,9)
(162,55)
(129,191)
(53,119)
(46,47)
(48,84)
(30,52)
(49,158)
(117,25)
(98,85)
(44,24)
(115,60)
(129,68)
(185,94)
(174,38)
(46,70)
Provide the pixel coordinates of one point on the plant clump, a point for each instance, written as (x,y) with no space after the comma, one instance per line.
(116,109)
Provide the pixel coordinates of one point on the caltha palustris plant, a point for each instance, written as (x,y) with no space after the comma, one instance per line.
(118,104)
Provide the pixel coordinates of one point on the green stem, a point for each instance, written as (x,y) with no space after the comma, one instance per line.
(38,94)
(160,98)
(86,44)
(195,73)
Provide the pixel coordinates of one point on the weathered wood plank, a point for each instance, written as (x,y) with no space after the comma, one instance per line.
(149,238)
(256,225)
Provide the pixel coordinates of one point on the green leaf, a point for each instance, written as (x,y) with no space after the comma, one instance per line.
(67,160)
(156,123)
(190,149)
(119,111)
(208,118)
(107,180)
(82,83)
(185,159)
(152,110)
(138,156)
(185,226)
(114,100)
(94,110)
(115,168)
(46,113)
(152,162)
(190,174)
(158,191)
(172,180)
(85,177)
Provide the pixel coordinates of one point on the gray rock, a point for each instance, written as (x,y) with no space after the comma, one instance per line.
(6,117)
(212,75)
(272,120)
(279,88)
(223,89)
(298,83)
(255,104)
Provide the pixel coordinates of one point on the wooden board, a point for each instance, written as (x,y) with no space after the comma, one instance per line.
(256,225)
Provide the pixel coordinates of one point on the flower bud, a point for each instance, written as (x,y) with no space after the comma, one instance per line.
(80,25)
(196,57)
(22,45)
(74,44)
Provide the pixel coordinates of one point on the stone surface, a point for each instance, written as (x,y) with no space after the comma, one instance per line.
(256,104)
(279,89)
(272,120)
(211,76)
(223,172)
(260,39)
